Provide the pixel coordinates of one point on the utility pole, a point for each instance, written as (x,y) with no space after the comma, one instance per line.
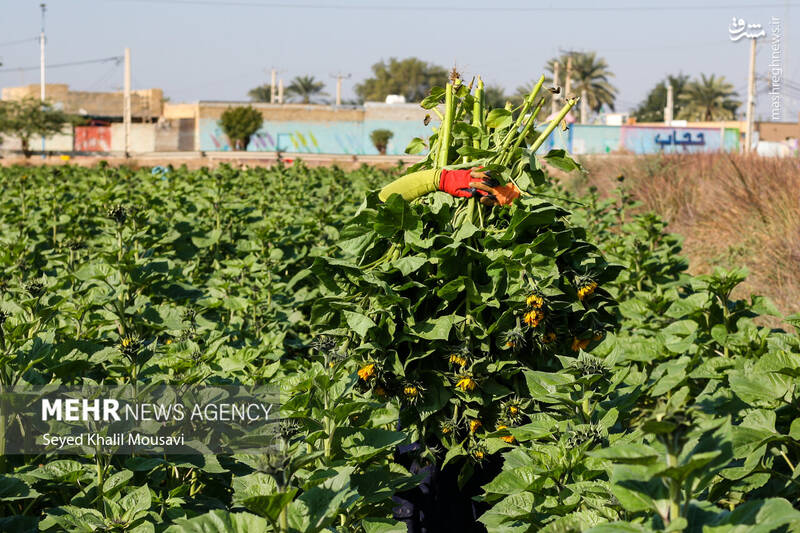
(751,90)
(554,99)
(280,91)
(339,77)
(42,91)
(272,86)
(584,107)
(669,109)
(126,102)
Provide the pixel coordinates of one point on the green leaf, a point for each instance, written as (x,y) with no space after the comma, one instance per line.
(757,516)
(359,323)
(383,525)
(219,521)
(207,239)
(12,489)
(434,98)
(416,146)
(561,160)
(408,264)
(499,118)
(437,328)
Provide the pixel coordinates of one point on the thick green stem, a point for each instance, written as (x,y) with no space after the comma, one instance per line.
(445,131)
(553,123)
(477,113)
(526,106)
(524,133)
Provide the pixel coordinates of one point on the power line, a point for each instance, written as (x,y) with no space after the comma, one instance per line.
(20,41)
(70,64)
(455,10)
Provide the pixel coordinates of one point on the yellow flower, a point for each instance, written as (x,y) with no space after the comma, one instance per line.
(549,337)
(411,391)
(586,290)
(168,341)
(458,360)
(478,454)
(474,425)
(513,409)
(367,372)
(330,365)
(508,438)
(535,301)
(64,157)
(466,384)
(446,430)
(533,318)
(579,344)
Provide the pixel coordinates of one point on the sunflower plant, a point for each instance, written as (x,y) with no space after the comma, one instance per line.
(449,303)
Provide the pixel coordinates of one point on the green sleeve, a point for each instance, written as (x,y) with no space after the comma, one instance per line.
(412,185)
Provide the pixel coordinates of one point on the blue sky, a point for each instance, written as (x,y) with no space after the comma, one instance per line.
(218,50)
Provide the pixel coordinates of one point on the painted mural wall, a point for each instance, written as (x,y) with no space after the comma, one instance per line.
(650,140)
(597,139)
(345,137)
(92,139)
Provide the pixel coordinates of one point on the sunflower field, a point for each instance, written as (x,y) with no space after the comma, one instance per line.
(553,355)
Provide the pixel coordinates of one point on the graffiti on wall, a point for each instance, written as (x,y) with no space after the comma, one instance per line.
(343,138)
(653,140)
(92,139)
(346,137)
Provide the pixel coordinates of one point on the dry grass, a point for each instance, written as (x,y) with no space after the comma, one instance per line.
(733,210)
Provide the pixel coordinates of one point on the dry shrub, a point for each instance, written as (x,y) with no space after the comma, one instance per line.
(733,210)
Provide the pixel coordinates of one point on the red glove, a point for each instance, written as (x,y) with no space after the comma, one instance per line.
(474,183)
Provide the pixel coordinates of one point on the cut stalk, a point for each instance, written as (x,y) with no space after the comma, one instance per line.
(447,126)
(526,106)
(477,113)
(553,123)
(525,130)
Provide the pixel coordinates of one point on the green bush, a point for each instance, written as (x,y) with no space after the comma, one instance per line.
(239,124)
(381,138)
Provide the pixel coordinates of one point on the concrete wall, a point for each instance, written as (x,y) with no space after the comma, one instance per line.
(590,139)
(56,143)
(778,131)
(145,103)
(173,135)
(317,129)
(143,138)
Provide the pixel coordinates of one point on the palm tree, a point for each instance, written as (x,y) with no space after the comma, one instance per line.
(262,93)
(305,88)
(710,98)
(589,72)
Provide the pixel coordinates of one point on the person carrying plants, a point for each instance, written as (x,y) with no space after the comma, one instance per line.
(439,502)
(464,183)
